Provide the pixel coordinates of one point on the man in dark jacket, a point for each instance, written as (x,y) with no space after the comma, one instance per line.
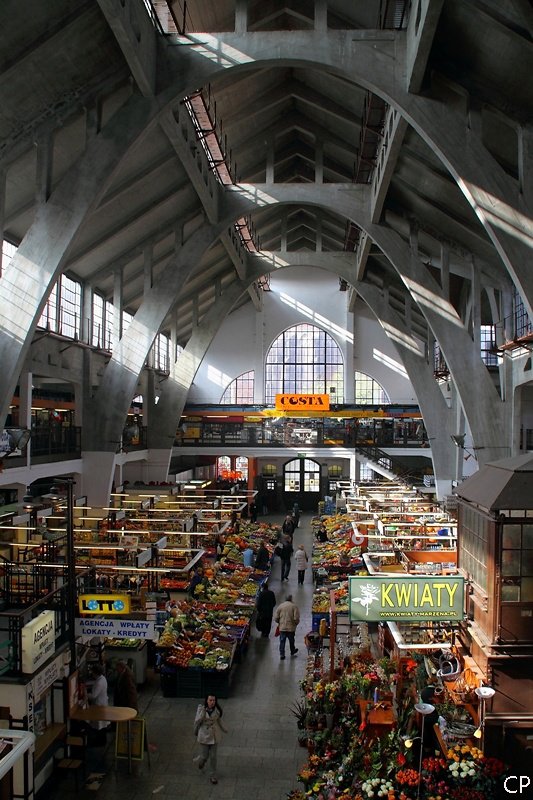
(288,526)
(285,554)
(125,687)
(266,603)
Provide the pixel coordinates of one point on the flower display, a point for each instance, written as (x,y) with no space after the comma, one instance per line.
(349,760)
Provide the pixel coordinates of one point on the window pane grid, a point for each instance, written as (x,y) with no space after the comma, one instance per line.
(48,318)
(98,321)
(240,391)
(70,306)
(312,364)
(368,391)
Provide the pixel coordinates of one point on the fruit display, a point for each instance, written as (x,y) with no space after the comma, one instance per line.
(338,548)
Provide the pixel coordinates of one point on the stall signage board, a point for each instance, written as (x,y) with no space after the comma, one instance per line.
(104,603)
(313,402)
(115,628)
(406,597)
(48,676)
(144,557)
(38,641)
(137,739)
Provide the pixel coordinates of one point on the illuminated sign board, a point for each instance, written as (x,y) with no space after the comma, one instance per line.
(300,402)
(104,603)
(377,598)
(38,641)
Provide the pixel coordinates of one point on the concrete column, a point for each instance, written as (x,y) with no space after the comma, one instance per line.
(149,406)
(318,240)
(319,161)
(87,313)
(349,382)
(173,342)
(25,394)
(321,15)
(118,280)
(148,266)
(408,312)
(97,478)
(259,372)
(476,306)
(283,243)
(507,330)
(525,162)
(241,16)
(92,121)
(2,214)
(45,152)
(445,270)
(269,177)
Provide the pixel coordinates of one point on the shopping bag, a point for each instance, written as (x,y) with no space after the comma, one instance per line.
(276,632)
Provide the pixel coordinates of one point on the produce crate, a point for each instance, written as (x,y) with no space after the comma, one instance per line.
(169,684)
(317,616)
(217,683)
(189,682)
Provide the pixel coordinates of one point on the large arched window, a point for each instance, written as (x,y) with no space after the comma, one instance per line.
(368,391)
(304,359)
(301,474)
(240,391)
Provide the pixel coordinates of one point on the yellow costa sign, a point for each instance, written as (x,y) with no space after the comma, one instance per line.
(104,603)
(316,402)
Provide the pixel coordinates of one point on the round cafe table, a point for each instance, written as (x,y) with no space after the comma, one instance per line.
(107,714)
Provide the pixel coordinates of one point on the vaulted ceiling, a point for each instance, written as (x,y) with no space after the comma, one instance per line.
(64,74)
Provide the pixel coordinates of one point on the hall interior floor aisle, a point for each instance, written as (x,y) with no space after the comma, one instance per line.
(259,759)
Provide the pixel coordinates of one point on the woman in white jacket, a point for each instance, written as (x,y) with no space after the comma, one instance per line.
(207,727)
(301,560)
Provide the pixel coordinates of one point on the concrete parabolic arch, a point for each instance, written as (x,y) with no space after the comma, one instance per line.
(437,415)
(376,62)
(482,407)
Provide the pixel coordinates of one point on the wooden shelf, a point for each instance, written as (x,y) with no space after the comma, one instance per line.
(55,731)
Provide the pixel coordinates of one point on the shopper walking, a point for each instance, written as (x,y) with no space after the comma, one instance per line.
(288,526)
(287,616)
(125,693)
(264,504)
(285,553)
(253,511)
(266,603)
(207,727)
(301,559)
(296,515)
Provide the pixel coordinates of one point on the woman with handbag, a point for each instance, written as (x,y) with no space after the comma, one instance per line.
(301,560)
(207,728)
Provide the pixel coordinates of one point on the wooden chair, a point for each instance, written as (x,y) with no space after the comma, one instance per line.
(73,758)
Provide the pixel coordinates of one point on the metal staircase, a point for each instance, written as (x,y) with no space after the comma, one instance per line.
(388,466)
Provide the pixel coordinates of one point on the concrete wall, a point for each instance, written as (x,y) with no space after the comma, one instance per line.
(246,335)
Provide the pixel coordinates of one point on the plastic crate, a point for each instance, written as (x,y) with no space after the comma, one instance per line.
(169,685)
(217,683)
(189,683)
(317,617)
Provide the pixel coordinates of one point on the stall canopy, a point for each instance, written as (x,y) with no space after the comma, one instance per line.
(506,484)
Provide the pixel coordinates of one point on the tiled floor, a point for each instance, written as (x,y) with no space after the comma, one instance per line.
(257,760)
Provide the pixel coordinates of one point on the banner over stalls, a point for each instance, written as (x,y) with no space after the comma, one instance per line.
(376,598)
